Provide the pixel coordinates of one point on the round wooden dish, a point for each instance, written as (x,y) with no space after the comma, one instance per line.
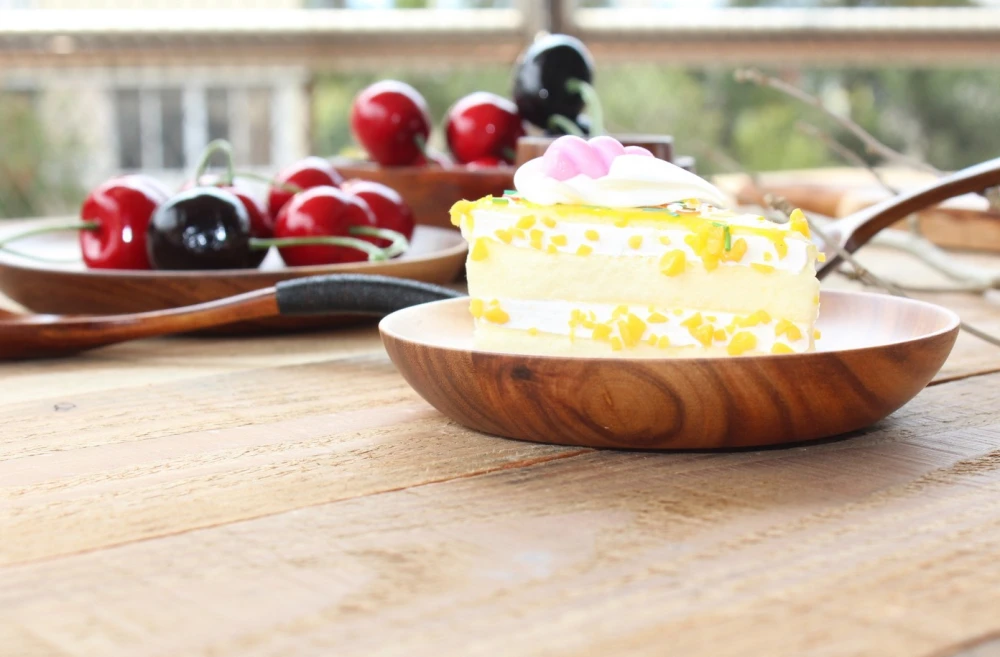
(436,255)
(877,352)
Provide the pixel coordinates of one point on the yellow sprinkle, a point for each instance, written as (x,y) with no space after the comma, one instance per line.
(817,334)
(656,318)
(495,302)
(616,344)
(619,311)
(781,348)
(518,233)
(741,343)
(731,329)
(785,327)
(621,222)
(764,269)
(651,340)
(635,241)
(584,250)
(711,262)
(558,240)
(710,318)
(678,312)
(763,316)
(703,334)
(476,308)
(526,222)
(652,308)
(663,342)
(479,250)
(592,235)
(798,222)
(496,316)
(720,335)
(505,235)
(693,321)
(736,252)
(664,240)
(551,249)
(780,246)
(816,299)
(696,241)
(532,331)
(631,330)
(549,222)
(768,257)
(820,257)
(536,235)
(601,332)
(673,262)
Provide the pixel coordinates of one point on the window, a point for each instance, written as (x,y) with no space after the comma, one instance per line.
(167,128)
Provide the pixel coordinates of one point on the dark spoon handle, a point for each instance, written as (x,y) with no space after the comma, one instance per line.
(355,293)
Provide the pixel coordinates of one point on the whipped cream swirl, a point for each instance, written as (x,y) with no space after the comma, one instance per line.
(604,173)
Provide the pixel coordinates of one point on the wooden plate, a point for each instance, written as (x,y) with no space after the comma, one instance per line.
(876,353)
(436,255)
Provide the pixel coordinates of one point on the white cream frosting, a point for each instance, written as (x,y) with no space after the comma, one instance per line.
(553,317)
(614,241)
(632,181)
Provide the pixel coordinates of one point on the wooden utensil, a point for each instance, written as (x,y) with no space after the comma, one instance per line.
(877,352)
(42,336)
(854,231)
(436,256)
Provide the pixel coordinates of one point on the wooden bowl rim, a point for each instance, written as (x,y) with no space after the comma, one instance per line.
(948,317)
(460,247)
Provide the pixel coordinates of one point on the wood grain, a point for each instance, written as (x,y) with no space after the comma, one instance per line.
(882,544)
(438,258)
(291,495)
(685,403)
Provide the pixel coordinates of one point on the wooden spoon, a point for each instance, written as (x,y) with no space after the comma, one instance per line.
(43,336)
(855,230)
(39,336)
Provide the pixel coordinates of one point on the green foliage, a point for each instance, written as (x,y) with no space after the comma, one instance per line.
(37,170)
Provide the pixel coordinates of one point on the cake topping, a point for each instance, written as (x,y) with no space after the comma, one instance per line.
(604,173)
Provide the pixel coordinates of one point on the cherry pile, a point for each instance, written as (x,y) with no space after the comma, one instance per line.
(312,216)
(552,84)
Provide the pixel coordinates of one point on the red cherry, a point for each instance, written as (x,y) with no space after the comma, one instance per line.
(389,208)
(321,211)
(307,173)
(483,125)
(260,223)
(122,207)
(391,121)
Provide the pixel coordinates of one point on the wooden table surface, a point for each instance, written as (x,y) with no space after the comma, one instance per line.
(292,496)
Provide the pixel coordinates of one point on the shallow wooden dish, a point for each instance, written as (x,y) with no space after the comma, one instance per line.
(877,352)
(436,255)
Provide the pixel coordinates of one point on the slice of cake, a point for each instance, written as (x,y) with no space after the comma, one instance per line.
(607,251)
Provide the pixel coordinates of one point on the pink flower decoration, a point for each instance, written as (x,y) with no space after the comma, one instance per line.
(569,156)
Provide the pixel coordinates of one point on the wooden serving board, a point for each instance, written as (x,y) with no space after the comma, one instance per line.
(964,222)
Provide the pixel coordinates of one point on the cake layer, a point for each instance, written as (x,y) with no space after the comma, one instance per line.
(627,327)
(506,271)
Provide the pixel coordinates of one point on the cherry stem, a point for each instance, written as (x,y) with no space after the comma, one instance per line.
(259,177)
(214,146)
(560,122)
(53,228)
(398,245)
(510,155)
(593,102)
(374,253)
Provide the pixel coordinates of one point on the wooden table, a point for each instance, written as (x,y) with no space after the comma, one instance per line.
(292,496)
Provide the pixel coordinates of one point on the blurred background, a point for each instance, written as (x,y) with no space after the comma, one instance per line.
(91,89)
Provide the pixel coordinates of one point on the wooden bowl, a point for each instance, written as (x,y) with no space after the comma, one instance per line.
(877,352)
(436,255)
(431,191)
